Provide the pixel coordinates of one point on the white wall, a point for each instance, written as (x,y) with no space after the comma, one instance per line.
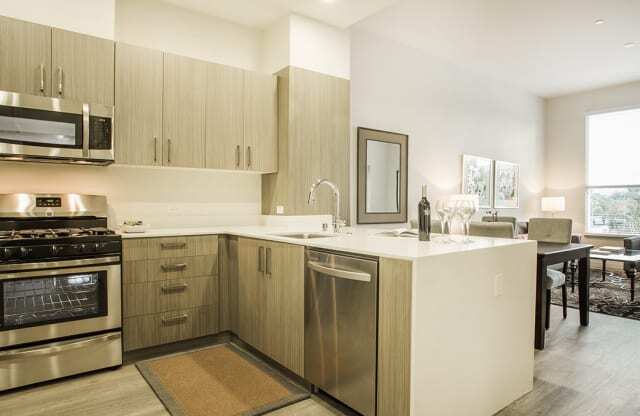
(93,17)
(565,156)
(159,25)
(446,110)
(319,47)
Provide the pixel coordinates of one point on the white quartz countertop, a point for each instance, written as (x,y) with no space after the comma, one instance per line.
(367,241)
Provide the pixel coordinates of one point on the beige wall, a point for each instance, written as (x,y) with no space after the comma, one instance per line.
(565,170)
(446,110)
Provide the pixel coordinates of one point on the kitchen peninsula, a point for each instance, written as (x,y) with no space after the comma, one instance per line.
(455,320)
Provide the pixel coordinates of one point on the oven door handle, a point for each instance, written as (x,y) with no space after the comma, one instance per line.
(23,267)
(63,346)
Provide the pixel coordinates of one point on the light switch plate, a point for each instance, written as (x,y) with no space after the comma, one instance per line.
(279,209)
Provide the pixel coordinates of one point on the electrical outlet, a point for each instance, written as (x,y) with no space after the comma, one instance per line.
(279,209)
(498,285)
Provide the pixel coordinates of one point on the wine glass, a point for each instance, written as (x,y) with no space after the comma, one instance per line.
(467,209)
(443,216)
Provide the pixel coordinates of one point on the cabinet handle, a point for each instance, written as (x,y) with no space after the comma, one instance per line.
(173,267)
(176,287)
(260,256)
(41,77)
(155,149)
(60,78)
(169,151)
(248,156)
(268,261)
(238,156)
(172,246)
(175,319)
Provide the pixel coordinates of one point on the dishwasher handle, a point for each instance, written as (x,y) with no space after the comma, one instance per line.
(338,273)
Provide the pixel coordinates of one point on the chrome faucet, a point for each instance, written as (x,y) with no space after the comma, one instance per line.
(337,222)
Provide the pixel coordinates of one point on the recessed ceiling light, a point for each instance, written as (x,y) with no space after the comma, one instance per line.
(629,44)
(599,21)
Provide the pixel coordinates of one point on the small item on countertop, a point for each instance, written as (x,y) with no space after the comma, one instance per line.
(424,217)
(132,226)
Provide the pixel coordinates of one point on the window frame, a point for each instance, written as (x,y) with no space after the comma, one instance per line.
(587,187)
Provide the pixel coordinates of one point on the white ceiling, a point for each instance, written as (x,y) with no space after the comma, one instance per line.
(261,13)
(548,47)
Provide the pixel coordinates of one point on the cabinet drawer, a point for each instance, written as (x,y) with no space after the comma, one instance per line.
(154,297)
(149,330)
(139,271)
(160,248)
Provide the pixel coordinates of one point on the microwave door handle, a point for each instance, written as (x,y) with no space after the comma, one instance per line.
(86,111)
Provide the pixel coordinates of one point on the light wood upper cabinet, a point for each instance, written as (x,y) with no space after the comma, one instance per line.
(83,67)
(25,57)
(138,111)
(184,111)
(260,122)
(225,117)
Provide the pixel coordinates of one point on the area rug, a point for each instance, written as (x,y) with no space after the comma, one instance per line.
(611,297)
(222,380)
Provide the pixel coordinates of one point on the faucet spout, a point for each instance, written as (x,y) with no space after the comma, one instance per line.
(337,223)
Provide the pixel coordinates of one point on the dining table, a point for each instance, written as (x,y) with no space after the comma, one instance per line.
(550,254)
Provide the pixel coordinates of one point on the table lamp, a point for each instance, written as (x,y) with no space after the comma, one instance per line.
(553,204)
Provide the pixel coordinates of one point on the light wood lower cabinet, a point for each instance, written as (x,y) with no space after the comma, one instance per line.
(170,289)
(149,330)
(271,300)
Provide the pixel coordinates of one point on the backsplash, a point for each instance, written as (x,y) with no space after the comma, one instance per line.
(161,197)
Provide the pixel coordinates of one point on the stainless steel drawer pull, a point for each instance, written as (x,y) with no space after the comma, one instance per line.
(175,319)
(172,246)
(339,273)
(59,347)
(169,151)
(260,256)
(268,261)
(238,156)
(60,78)
(248,156)
(174,267)
(41,77)
(176,287)
(155,150)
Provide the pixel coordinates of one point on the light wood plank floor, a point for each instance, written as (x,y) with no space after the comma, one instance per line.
(586,372)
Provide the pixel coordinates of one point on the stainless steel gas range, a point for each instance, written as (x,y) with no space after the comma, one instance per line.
(60,288)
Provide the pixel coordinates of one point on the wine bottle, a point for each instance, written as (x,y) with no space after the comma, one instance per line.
(424,217)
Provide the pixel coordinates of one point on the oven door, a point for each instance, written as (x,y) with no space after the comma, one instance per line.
(59,300)
(41,127)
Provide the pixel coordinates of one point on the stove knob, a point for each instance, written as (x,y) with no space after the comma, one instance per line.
(6,253)
(25,252)
(55,250)
(98,246)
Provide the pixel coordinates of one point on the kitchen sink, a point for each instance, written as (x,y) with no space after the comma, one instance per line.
(305,236)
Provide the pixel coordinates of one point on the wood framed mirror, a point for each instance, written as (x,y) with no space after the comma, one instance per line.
(382,177)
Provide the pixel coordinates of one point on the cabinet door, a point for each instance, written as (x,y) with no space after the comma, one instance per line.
(83,67)
(251,292)
(225,118)
(260,123)
(25,57)
(138,122)
(184,107)
(284,314)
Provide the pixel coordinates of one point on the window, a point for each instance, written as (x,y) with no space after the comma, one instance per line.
(613,172)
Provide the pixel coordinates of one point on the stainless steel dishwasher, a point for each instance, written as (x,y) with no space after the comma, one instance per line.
(341,294)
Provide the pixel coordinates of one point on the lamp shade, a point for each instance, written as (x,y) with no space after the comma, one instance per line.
(553,204)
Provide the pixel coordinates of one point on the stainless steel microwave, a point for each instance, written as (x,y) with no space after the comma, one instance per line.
(43,129)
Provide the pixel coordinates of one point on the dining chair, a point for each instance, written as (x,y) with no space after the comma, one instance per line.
(492,229)
(558,231)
